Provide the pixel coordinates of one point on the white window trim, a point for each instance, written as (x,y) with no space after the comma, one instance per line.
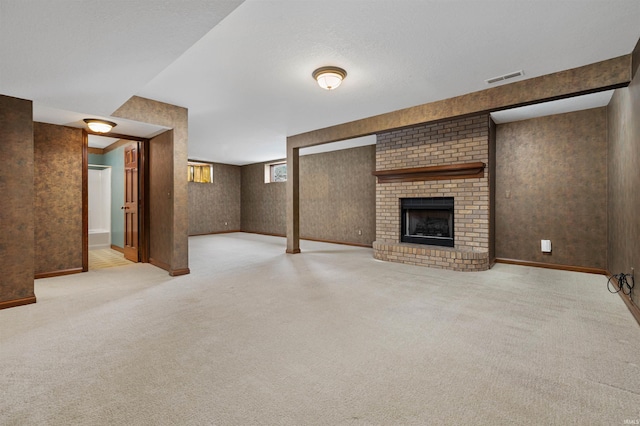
(267,170)
(196,163)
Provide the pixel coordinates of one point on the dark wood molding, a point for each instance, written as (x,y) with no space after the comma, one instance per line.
(552,266)
(310,239)
(337,242)
(265,233)
(633,308)
(97,151)
(85,201)
(144,215)
(17,302)
(159,264)
(116,248)
(218,232)
(178,272)
(58,273)
(449,171)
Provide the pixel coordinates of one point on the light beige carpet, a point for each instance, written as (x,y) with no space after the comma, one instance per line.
(328,337)
(106,258)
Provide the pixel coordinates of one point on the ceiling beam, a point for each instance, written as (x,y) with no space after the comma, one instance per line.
(604,75)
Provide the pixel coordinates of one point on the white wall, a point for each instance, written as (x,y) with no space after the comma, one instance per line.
(99,206)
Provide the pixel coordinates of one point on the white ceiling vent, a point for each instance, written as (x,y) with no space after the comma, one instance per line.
(505,77)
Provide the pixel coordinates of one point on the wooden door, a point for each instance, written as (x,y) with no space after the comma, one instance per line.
(131,222)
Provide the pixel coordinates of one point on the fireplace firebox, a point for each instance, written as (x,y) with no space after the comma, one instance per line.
(427,221)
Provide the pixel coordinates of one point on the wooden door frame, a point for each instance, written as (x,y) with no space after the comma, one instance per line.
(143,193)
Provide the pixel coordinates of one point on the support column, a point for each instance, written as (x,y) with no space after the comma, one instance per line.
(17,217)
(293,199)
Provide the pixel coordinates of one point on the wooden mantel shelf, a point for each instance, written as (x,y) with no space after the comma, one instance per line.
(450,171)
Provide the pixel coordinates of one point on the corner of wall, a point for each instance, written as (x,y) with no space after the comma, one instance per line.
(176,119)
(17,258)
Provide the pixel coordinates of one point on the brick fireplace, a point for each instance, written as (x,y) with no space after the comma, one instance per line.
(440,160)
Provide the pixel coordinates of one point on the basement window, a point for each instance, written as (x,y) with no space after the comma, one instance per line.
(199,172)
(275,172)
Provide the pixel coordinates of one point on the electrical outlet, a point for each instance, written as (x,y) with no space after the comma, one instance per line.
(632,274)
(359,231)
(226,223)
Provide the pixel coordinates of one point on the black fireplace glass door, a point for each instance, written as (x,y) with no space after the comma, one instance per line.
(427,221)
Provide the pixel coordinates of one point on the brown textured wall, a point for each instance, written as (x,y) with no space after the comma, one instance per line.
(58,197)
(624,182)
(175,118)
(263,204)
(16,187)
(160,198)
(215,207)
(337,197)
(551,184)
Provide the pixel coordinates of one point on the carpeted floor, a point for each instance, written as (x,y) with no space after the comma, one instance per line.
(328,337)
(106,258)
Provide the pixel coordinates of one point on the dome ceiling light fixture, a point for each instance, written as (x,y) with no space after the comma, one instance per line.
(99,126)
(329,78)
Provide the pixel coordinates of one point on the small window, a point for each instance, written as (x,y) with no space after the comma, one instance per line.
(199,172)
(275,172)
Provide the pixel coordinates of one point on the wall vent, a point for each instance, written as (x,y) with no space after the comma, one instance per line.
(504,77)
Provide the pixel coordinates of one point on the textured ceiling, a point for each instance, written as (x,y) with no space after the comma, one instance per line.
(90,56)
(246,77)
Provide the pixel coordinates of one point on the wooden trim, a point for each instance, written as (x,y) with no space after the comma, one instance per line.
(449,171)
(265,233)
(118,249)
(219,232)
(97,151)
(552,266)
(310,239)
(160,264)
(85,201)
(166,267)
(178,272)
(144,225)
(17,302)
(58,273)
(337,242)
(633,308)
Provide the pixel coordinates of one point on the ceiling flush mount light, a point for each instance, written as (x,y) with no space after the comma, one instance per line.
(99,126)
(329,78)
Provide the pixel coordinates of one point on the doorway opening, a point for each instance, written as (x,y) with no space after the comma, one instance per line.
(114,201)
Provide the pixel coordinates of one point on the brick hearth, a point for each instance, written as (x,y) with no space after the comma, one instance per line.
(456,141)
